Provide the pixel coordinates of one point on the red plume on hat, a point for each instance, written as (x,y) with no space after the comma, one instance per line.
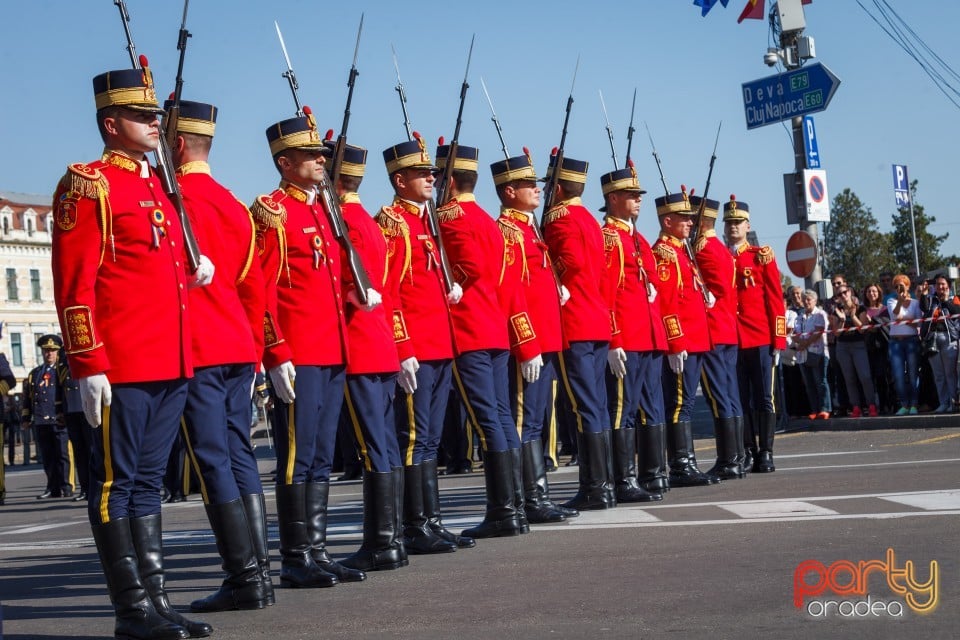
(329,135)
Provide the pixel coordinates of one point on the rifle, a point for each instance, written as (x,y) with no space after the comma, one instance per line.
(326,187)
(173,114)
(447,172)
(703,201)
(630,129)
(164,160)
(433,222)
(495,120)
(613,151)
(341,143)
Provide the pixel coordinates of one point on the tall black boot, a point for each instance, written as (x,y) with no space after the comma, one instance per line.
(147,540)
(683,471)
(243,586)
(136,616)
(652,474)
(516,467)
(768,424)
(317,495)
(726,467)
(431,507)
(418,537)
(625,468)
(741,449)
(609,488)
(501,518)
(538,510)
(591,493)
(297,567)
(380,550)
(751,455)
(398,513)
(256,510)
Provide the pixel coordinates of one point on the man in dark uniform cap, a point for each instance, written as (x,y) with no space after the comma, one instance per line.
(120,287)
(305,339)
(226,322)
(43,409)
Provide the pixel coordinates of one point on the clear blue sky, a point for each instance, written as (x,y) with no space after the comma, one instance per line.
(688,71)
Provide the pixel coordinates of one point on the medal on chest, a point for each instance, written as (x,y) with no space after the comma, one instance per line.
(318,256)
(158,223)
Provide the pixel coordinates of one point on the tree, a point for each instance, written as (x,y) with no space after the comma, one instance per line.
(901,239)
(852,243)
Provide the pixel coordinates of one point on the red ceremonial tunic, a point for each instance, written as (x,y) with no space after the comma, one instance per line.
(119,277)
(681,302)
(761,309)
(369,334)
(300,257)
(576,245)
(634,320)
(717,270)
(414,284)
(226,316)
(528,265)
(475,248)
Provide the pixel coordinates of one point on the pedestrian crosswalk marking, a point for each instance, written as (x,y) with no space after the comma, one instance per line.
(929,501)
(780,509)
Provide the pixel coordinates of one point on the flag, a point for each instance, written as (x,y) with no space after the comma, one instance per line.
(706,5)
(754,10)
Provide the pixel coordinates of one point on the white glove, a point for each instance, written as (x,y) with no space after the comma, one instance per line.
(710,299)
(776,356)
(373,299)
(651,292)
(617,359)
(204,273)
(95,393)
(531,368)
(676,361)
(564,295)
(456,292)
(282,377)
(408,375)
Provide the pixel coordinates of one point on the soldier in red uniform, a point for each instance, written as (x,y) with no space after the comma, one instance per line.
(305,340)
(372,367)
(763,332)
(528,274)
(719,377)
(484,328)
(421,330)
(638,340)
(688,334)
(226,322)
(576,245)
(120,287)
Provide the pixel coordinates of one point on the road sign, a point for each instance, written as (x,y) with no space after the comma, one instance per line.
(901,185)
(816,196)
(810,142)
(801,254)
(795,93)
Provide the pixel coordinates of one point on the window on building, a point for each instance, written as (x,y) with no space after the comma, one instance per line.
(12,284)
(16,349)
(35,285)
(48,222)
(29,226)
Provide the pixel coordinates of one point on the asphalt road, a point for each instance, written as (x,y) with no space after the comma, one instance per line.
(711,562)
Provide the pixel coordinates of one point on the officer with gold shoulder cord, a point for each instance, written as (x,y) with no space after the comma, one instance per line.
(120,286)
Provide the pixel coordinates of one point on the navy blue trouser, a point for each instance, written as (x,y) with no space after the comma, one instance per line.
(582,368)
(307,428)
(719,380)
(369,405)
(650,398)
(531,402)
(419,417)
(130,454)
(680,390)
(483,378)
(755,376)
(52,443)
(216,424)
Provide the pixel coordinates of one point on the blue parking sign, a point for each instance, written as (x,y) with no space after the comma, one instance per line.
(901,185)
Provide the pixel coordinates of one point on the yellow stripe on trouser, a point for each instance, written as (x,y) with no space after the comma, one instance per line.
(773,386)
(618,415)
(708,392)
(518,415)
(411,431)
(676,411)
(107,466)
(468,441)
(470,412)
(291,444)
(551,427)
(356,428)
(193,463)
(573,399)
(72,473)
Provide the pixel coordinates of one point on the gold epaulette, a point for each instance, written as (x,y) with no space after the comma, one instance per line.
(86,180)
(511,232)
(449,212)
(268,213)
(765,254)
(391,223)
(555,214)
(665,253)
(700,244)
(611,239)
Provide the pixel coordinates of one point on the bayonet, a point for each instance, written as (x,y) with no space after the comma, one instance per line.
(496,121)
(613,151)
(630,129)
